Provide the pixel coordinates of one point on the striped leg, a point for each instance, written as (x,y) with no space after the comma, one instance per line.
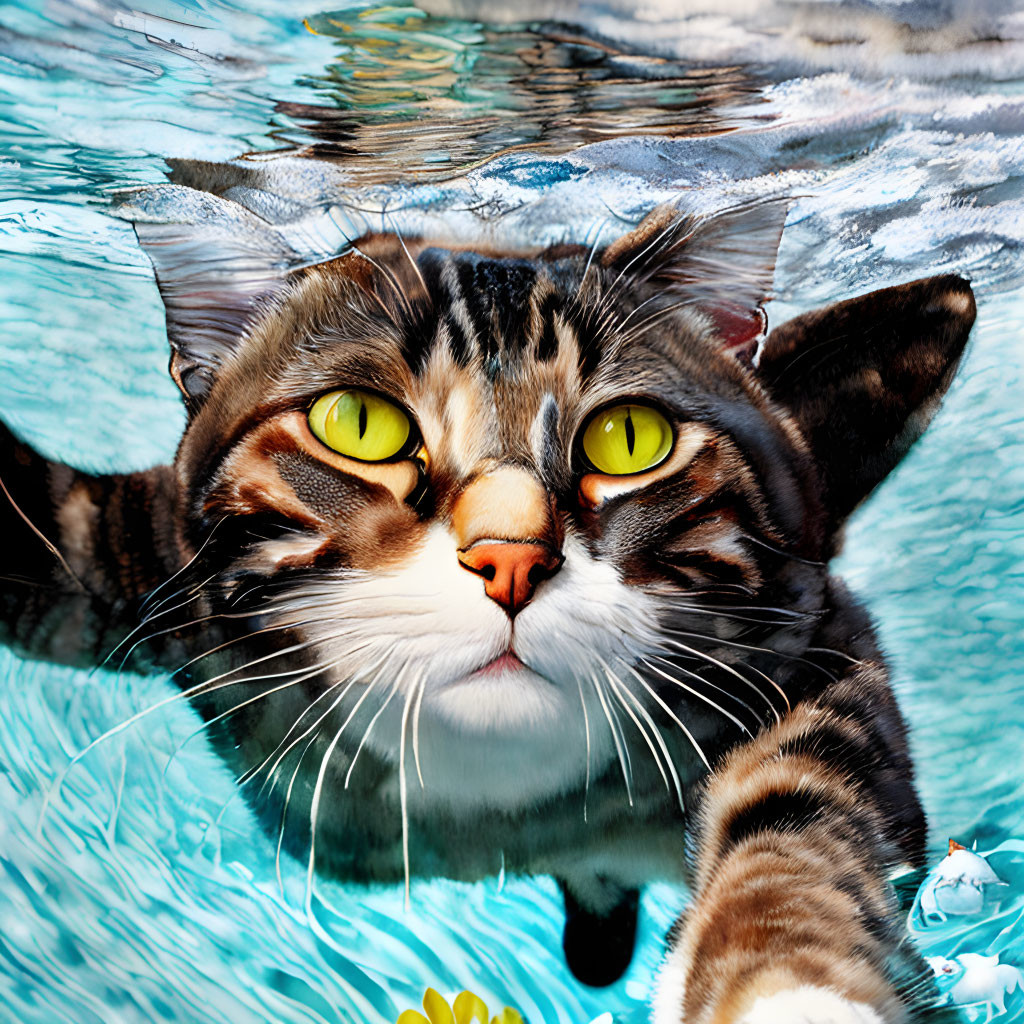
(78,551)
(792,920)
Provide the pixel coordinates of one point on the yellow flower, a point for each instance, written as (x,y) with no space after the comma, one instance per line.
(467,1009)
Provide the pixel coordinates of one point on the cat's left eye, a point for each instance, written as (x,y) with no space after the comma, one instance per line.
(361,425)
(627,439)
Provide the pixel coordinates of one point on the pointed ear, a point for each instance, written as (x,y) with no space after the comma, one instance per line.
(723,265)
(862,378)
(216,264)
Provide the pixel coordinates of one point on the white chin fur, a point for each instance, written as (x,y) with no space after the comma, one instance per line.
(518,734)
(809,1005)
(498,703)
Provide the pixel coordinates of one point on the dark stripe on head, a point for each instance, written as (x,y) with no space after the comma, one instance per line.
(554,466)
(460,344)
(589,341)
(420,335)
(477,303)
(514,281)
(547,346)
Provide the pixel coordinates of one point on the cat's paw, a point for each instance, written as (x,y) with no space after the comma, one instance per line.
(809,1005)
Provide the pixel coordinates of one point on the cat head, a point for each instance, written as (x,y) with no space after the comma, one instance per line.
(498,482)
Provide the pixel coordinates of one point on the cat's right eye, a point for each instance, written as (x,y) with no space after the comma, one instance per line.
(361,425)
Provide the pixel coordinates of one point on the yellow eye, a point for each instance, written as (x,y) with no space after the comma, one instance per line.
(360,425)
(627,439)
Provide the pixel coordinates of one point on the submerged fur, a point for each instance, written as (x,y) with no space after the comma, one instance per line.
(684,675)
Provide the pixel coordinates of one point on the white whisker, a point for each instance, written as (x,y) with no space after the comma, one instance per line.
(284,814)
(670,764)
(695,693)
(762,650)
(416,729)
(403,792)
(704,656)
(346,686)
(586,727)
(613,682)
(373,721)
(675,718)
(170,579)
(314,808)
(245,703)
(615,737)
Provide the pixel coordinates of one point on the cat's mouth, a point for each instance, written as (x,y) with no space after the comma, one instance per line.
(506,667)
(509,661)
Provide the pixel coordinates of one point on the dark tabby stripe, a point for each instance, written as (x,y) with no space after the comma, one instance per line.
(117,539)
(794,827)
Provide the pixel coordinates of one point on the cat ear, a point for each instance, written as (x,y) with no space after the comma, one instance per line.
(862,378)
(722,264)
(216,265)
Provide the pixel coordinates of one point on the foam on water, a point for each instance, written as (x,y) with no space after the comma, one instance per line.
(148,892)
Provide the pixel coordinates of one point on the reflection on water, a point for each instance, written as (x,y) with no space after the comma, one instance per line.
(414,97)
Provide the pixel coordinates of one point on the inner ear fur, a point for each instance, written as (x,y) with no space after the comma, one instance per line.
(862,378)
(721,264)
(216,265)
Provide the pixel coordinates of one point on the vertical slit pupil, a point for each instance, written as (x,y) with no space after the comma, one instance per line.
(630,432)
(362,420)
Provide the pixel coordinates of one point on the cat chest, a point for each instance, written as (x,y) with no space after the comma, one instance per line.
(593,832)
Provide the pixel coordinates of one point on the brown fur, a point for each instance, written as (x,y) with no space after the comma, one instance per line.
(500,360)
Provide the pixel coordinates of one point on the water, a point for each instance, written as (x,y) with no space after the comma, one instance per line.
(149,894)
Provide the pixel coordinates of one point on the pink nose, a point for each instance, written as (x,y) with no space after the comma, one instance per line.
(511,569)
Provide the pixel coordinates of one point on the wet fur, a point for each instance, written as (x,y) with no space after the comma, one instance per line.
(694,599)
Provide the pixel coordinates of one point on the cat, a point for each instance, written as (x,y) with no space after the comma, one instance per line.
(479,560)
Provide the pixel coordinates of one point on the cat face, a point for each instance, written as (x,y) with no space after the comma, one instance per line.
(601,483)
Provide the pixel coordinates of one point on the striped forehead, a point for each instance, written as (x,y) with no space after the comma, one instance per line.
(468,418)
(488,310)
(495,363)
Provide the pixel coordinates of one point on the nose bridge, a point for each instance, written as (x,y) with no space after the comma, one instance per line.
(507,534)
(504,504)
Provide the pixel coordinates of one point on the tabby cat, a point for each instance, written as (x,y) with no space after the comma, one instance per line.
(479,560)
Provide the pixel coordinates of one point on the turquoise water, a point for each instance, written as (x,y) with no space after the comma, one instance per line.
(148,893)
